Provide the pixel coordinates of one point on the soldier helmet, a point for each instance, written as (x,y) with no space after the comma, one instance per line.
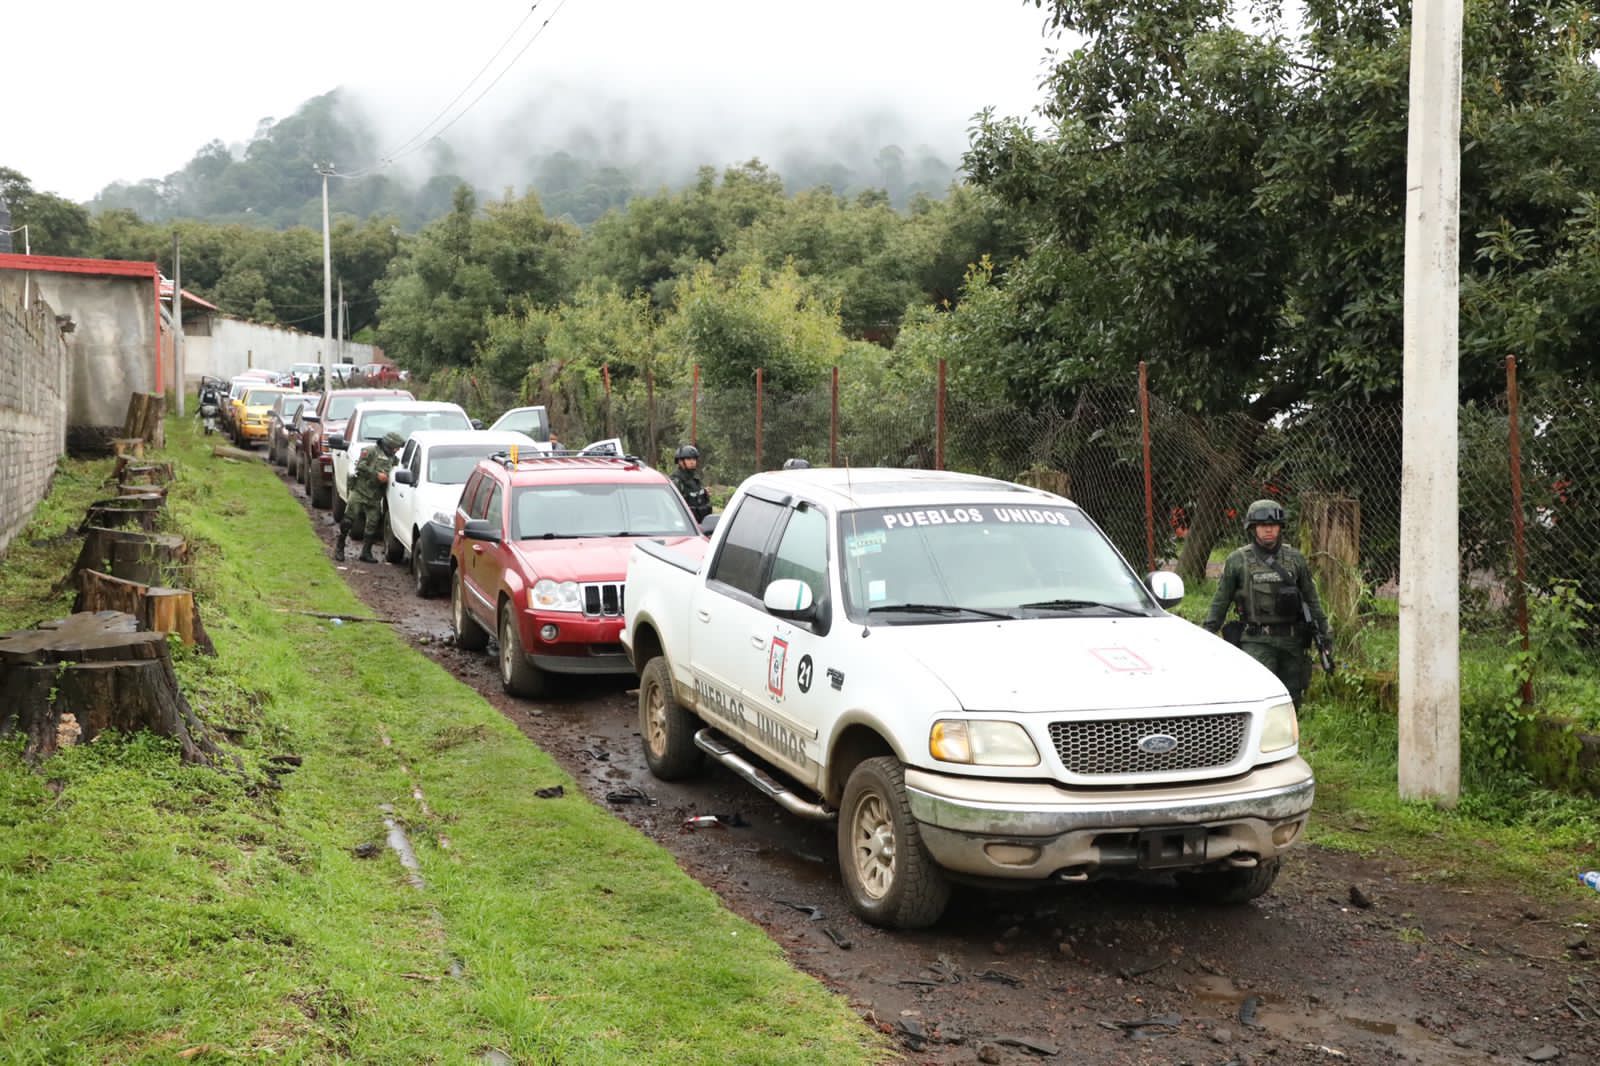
(685,451)
(1263,512)
(796,464)
(392,442)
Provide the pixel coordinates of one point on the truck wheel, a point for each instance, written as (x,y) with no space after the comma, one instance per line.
(888,874)
(421,580)
(321,494)
(667,727)
(518,676)
(1231,885)
(393,550)
(469,634)
(338,507)
(288,464)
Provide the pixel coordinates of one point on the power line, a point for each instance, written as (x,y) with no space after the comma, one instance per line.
(419,140)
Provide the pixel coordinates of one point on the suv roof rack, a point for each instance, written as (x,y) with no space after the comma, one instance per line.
(529,459)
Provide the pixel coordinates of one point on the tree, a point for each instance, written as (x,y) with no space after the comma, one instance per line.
(55,226)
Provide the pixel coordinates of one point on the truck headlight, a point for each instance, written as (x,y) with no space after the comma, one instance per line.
(444,518)
(1282,729)
(555,596)
(982,743)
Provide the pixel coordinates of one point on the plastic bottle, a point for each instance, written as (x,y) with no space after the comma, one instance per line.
(1591,878)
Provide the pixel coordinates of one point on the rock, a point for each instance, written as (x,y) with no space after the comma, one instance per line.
(1360,898)
(1547,1053)
(1464,1038)
(1222,1036)
(988,1053)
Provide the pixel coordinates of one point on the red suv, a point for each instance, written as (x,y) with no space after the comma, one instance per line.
(312,458)
(539,554)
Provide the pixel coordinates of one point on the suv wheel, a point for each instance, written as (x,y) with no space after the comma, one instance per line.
(889,876)
(517,675)
(1229,886)
(667,728)
(468,633)
(393,550)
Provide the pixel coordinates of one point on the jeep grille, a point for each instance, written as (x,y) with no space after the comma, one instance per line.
(602,599)
(1112,746)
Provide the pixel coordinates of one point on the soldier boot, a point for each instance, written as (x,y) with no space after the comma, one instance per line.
(338,547)
(366,555)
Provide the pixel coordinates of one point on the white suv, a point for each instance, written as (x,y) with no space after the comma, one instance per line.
(424,489)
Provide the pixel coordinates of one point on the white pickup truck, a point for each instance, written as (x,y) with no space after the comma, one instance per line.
(969,677)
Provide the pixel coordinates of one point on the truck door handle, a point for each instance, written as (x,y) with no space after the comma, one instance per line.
(704,616)
(477,549)
(757,641)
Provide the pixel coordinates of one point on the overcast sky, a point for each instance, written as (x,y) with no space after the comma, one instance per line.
(120,91)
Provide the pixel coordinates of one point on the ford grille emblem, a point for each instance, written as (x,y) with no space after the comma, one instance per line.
(1158,744)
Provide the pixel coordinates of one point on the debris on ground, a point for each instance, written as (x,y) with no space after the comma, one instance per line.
(550,793)
(630,794)
(814,913)
(367,850)
(840,941)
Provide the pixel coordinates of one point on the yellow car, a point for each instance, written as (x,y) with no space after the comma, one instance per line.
(253,407)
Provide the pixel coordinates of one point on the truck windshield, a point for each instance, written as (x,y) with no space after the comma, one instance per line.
(378,423)
(1022,562)
(609,510)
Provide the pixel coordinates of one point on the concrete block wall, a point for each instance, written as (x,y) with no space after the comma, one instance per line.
(34,372)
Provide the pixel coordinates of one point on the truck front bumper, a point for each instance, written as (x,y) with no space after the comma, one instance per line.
(1039,830)
(581,645)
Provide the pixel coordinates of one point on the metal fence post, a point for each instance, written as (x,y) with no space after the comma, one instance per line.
(758,417)
(1518,544)
(833,423)
(938,422)
(1149,496)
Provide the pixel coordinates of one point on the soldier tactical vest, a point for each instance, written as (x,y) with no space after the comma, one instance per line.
(1271,596)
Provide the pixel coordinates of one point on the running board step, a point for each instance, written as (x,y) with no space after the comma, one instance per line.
(721,749)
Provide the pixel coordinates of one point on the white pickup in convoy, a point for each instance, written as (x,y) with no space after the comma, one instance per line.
(970,678)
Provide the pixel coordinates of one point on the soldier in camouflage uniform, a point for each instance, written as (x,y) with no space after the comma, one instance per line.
(686,478)
(1270,583)
(365,507)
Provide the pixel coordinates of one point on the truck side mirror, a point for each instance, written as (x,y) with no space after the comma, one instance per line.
(477,423)
(337,443)
(404,476)
(709,522)
(791,598)
(1165,586)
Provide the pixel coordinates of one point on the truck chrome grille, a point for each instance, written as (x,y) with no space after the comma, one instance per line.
(602,599)
(1113,746)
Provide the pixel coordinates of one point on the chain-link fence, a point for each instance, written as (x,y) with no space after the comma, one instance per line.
(1170,486)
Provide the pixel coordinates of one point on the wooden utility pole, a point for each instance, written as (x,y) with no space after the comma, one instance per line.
(1430,595)
(180,361)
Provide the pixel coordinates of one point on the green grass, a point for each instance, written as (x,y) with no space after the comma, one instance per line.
(149,908)
(1506,829)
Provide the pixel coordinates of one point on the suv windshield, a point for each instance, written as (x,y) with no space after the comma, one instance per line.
(262,397)
(983,557)
(374,424)
(608,510)
(451,464)
(534,421)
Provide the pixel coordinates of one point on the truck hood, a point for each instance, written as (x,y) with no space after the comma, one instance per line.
(584,559)
(1081,664)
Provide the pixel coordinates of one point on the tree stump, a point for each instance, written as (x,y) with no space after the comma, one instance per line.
(71,680)
(131,471)
(144,422)
(1330,537)
(162,610)
(148,558)
(142,510)
(142,490)
(133,446)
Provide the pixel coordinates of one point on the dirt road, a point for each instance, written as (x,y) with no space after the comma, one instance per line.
(1347,960)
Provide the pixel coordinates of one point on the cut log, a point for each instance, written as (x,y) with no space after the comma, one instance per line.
(73,679)
(224,451)
(133,446)
(161,610)
(144,422)
(148,558)
(142,511)
(129,470)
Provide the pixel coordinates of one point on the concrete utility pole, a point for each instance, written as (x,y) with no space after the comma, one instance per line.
(180,364)
(326,169)
(1430,595)
(341,320)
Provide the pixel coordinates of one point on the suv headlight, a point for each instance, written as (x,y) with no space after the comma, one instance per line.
(981,743)
(1282,728)
(555,596)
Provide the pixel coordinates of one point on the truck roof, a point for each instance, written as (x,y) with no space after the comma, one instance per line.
(537,468)
(845,488)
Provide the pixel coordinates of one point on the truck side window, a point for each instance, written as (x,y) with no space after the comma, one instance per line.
(741,558)
(474,499)
(803,551)
(493,507)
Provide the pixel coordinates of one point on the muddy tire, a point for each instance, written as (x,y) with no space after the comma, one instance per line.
(288,464)
(321,494)
(421,580)
(888,874)
(666,726)
(1230,886)
(468,633)
(393,550)
(518,676)
(338,506)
